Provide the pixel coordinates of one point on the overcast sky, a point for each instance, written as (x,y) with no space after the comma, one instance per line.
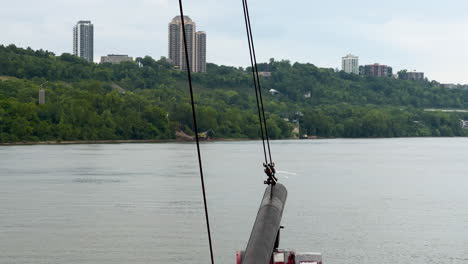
(423,35)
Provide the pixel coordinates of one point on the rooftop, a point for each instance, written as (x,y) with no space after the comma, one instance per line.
(350,56)
(186,18)
(116,55)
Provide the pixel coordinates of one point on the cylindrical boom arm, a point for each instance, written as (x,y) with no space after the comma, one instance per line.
(262,239)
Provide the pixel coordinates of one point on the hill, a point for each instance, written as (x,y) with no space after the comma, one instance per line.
(148,99)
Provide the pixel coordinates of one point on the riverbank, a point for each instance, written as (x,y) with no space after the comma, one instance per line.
(73,142)
(77,142)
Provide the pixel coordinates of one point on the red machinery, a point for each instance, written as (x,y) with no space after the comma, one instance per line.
(288,257)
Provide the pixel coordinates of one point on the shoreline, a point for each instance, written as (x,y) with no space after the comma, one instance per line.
(142,141)
(78,142)
(130,141)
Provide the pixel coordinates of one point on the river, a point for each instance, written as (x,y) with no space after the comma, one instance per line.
(366,201)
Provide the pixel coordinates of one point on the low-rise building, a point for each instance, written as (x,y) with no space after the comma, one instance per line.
(376,70)
(463,124)
(115,59)
(415,76)
(454,86)
(264,74)
(449,85)
(412,75)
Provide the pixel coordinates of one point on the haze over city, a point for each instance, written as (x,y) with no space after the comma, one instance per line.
(421,35)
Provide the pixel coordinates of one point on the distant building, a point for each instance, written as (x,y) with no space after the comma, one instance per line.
(115,59)
(454,86)
(464,124)
(413,76)
(200,52)
(41,96)
(350,64)
(449,85)
(83,40)
(273,91)
(376,70)
(196,45)
(264,74)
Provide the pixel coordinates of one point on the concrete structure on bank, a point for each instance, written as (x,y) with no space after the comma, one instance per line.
(41,96)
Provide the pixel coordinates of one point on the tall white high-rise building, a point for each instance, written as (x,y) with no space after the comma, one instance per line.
(83,40)
(196,45)
(350,64)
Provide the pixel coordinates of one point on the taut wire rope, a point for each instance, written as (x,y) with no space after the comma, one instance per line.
(195,127)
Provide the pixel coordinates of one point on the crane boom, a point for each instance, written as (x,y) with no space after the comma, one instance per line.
(264,232)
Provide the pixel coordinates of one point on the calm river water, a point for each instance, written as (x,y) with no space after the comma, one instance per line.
(374,201)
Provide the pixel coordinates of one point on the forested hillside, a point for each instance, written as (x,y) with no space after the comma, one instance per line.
(147,99)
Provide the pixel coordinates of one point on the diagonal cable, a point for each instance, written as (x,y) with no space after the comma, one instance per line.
(253,60)
(254,77)
(195,126)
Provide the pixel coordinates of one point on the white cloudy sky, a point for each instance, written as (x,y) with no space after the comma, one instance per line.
(426,35)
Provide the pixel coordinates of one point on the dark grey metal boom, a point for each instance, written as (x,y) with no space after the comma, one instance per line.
(262,239)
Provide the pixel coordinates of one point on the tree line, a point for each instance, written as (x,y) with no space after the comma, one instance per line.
(148,99)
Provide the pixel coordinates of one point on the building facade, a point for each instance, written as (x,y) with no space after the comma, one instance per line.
(265,74)
(83,40)
(413,76)
(376,70)
(196,45)
(350,64)
(200,52)
(115,59)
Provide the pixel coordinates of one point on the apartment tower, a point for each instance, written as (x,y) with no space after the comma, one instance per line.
(196,45)
(200,52)
(83,40)
(350,64)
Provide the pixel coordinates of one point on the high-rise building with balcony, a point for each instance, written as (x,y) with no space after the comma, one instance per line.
(350,64)
(196,45)
(83,40)
(200,52)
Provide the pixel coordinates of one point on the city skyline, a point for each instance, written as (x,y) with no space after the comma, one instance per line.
(424,35)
